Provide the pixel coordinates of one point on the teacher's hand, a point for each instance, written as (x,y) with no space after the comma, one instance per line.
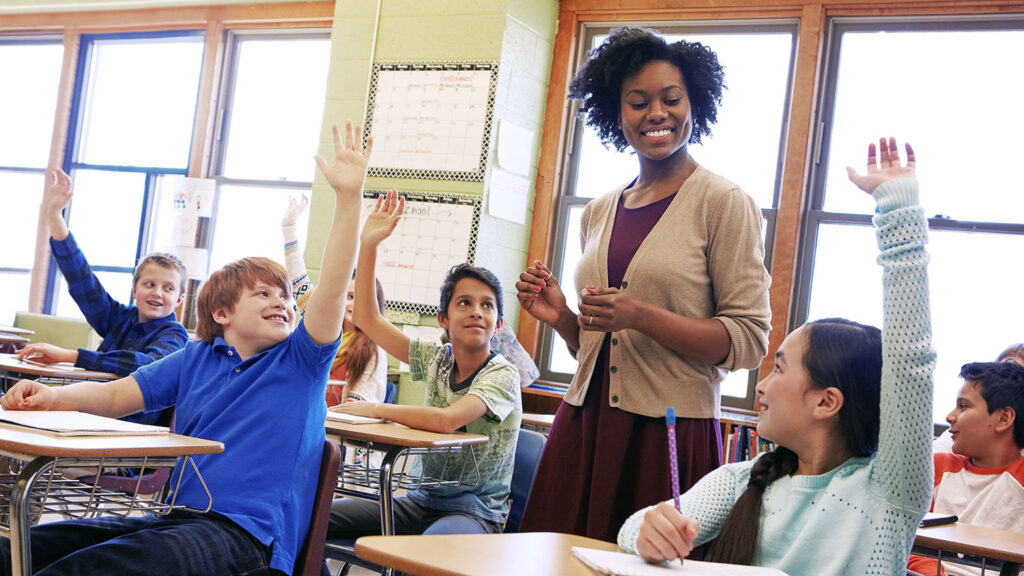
(666,534)
(540,294)
(606,310)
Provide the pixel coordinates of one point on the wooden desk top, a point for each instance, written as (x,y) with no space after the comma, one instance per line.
(975,540)
(9,363)
(398,435)
(539,420)
(12,338)
(15,330)
(533,553)
(26,442)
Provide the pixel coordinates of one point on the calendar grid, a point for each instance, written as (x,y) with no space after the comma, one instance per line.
(436,232)
(431,119)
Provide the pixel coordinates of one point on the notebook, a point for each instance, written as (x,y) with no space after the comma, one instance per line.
(352,418)
(70,423)
(620,564)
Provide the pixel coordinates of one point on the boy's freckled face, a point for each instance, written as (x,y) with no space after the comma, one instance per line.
(157,292)
(970,424)
(472,314)
(261,318)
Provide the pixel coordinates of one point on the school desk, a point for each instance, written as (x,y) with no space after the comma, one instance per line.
(36,455)
(395,440)
(961,538)
(542,421)
(12,370)
(15,330)
(11,342)
(533,553)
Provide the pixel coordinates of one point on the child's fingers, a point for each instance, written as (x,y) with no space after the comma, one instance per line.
(336,131)
(320,163)
(349,141)
(369,147)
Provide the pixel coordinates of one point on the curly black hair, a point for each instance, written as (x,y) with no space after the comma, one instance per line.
(598,84)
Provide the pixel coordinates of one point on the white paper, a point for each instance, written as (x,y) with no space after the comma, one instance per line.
(515,147)
(621,564)
(352,418)
(508,196)
(70,423)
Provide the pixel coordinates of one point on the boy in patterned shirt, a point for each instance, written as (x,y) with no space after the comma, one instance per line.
(469,388)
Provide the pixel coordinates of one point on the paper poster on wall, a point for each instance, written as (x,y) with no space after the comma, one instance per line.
(436,232)
(508,196)
(431,119)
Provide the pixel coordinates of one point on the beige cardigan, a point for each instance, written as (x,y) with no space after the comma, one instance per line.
(703,259)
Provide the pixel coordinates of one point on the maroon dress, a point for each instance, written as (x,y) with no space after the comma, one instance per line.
(602,463)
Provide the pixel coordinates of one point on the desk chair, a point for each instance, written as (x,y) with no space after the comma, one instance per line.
(311,556)
(529,447)
(153,482)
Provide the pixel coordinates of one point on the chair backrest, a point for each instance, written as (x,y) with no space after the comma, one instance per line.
(389,393)
(528,450)
(60,331)
(311,555)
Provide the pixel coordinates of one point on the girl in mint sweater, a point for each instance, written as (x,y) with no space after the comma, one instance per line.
(850,408)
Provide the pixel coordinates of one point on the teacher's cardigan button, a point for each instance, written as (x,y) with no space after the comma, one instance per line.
(613,369)
(615,399)
(615,341)
(625,284)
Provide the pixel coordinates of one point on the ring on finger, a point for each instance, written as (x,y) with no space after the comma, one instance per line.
(590,320)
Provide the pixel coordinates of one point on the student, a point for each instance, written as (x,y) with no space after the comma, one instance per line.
(133,336)
(469,388)
(845,490)
(251,383)
(1014,354)
(361,363)
(982,481)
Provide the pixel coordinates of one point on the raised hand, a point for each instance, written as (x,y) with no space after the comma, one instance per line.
(383,219)
(295,208)
(347,172)
(540,294)
(666,534)
(884,166)
(28,395)
(58,191)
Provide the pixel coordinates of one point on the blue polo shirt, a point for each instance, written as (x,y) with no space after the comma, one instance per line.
(269,412)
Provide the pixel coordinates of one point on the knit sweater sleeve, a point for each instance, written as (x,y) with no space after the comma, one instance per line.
(902,474)
(302,288)
(709,502)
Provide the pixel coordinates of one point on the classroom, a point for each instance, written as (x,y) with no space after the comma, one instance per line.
(204,121)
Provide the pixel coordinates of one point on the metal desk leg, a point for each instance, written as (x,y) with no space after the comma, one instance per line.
(21,549)
(387,512)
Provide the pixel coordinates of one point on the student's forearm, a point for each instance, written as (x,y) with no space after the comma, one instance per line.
(58,227)
(324,313)
(114,399)
(421,417)
(366,311)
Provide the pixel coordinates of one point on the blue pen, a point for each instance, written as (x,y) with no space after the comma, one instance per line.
(673,462)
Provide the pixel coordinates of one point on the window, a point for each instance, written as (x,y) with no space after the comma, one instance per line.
(26,123)
(948,87)
(758,59)
(273,102)
(132,120)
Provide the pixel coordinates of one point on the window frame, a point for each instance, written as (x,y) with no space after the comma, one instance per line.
(815,215)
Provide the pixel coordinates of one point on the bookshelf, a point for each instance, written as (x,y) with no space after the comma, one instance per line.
(739,436)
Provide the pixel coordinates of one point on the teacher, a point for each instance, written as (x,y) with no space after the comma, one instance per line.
(674,294)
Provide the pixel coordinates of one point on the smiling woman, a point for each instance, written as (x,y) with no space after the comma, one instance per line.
(675,293)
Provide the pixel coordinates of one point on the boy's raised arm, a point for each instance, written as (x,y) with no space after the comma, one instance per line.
(365,312)
(346,175)
(55,198)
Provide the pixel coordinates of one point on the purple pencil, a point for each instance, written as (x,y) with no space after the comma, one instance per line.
(673,461)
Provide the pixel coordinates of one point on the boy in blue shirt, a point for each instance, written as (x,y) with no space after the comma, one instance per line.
(250,383)
(469,388)
(133,336)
